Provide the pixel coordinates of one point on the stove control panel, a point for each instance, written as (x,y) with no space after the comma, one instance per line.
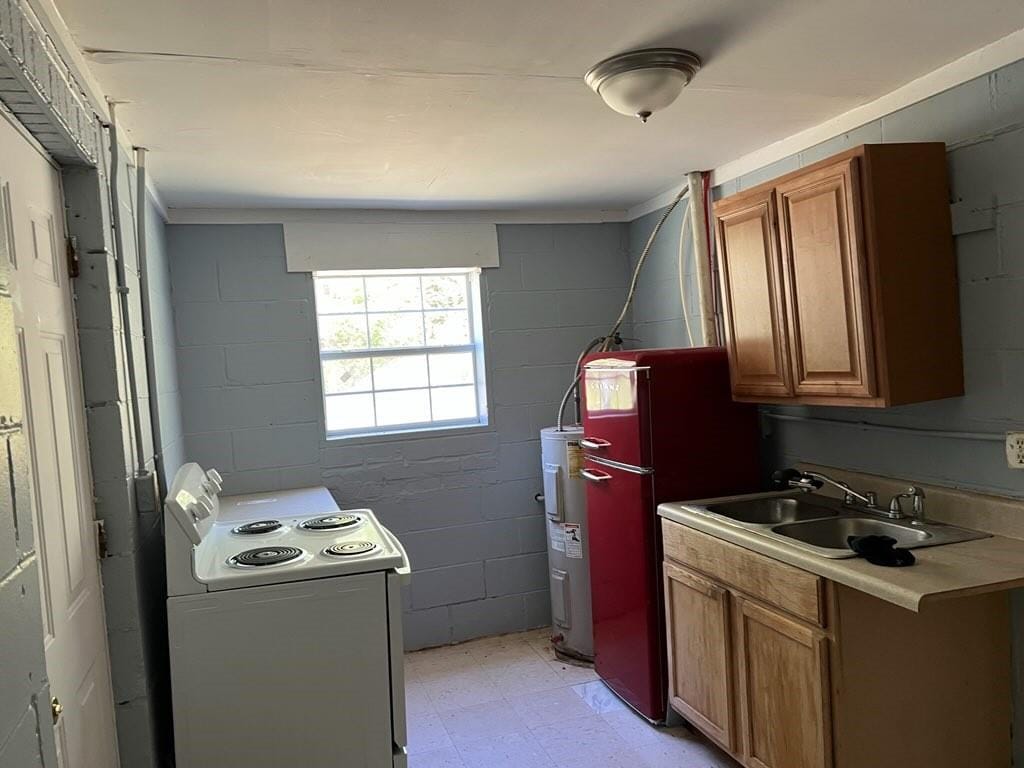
(193,500)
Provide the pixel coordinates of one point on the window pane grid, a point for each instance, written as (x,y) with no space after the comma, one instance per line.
(395,378)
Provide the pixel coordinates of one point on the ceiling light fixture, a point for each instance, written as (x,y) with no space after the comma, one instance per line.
(639,83)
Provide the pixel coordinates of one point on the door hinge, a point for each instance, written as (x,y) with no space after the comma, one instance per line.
(71,248)
(101,538)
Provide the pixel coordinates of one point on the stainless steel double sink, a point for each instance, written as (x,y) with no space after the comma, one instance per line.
(822,525)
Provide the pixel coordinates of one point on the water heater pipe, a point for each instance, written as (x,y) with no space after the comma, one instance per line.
(613,334)
(702,258)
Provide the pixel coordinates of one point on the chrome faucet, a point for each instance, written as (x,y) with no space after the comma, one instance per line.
(810,481)
(913,492)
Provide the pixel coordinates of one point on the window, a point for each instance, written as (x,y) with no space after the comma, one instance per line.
(400,350)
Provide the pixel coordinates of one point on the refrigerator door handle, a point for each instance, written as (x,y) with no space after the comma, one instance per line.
(595,476)
(594,443)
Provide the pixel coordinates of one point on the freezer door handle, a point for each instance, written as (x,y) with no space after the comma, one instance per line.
(595,476)
(594,443)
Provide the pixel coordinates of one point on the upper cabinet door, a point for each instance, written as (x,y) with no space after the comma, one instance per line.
(826,282)
(755,323)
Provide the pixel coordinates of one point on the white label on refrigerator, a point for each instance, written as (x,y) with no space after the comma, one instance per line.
(557,535)
(573,540)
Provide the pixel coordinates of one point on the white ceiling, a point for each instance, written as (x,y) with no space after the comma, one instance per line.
(481,103)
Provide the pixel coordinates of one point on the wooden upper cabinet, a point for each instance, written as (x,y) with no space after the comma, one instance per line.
(862,307)
(755,328)
(826,279)
(699,653)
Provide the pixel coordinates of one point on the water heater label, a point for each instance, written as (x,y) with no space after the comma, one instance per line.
(573,540)
(575,458)
(557,536)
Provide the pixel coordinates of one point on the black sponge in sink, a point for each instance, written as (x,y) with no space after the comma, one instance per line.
(880,550)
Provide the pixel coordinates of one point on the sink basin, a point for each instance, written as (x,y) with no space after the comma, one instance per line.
(820,525)
(770,511)
(833,533)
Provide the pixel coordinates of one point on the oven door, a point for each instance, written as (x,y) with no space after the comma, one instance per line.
(625,587)
(396,655)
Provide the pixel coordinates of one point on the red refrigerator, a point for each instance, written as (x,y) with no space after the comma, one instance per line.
(658,425)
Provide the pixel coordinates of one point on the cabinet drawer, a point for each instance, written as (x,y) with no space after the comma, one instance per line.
(791,589)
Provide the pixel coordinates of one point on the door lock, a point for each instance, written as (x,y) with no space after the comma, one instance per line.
(56,709)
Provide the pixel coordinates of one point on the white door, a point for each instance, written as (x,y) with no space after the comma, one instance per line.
(72,599)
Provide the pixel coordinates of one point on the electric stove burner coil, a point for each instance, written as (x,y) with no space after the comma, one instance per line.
(331,522)
(350,548)
(257,527)
(257,558)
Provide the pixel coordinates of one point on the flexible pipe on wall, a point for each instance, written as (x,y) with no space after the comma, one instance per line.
(997,437)
(683,304)
(613,334)
(152,385)
(122,293)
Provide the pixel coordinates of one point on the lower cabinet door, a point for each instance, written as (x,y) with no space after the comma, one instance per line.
(699,653)
(783,690)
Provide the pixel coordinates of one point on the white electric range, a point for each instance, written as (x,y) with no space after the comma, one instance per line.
(284,620)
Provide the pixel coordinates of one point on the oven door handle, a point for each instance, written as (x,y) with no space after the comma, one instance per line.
(405,569)
(594,443)
(595,476)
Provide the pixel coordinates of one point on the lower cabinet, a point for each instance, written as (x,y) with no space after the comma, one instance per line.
(699,653)
(784,669)
(733,661)
(783,690)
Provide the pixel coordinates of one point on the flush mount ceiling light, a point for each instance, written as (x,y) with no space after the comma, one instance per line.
(639,83)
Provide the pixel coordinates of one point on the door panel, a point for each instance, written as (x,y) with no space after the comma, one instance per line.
(77,662)
(826,282)
(699,653)
(625,584)
(755,326)
(784,690)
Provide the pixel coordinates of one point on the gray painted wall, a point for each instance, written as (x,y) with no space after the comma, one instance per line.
(462,501)
(658,309)
(133,572)
(982,123)
(165,345)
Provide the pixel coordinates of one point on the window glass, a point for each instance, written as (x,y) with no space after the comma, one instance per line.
(400,351)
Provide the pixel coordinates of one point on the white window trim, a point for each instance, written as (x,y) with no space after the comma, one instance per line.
(473,294)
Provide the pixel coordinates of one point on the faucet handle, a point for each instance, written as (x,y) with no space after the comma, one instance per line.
(918,496)
(794,478)
(913,492)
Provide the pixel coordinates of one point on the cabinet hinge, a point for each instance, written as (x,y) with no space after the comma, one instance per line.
(101,539)
(71,249)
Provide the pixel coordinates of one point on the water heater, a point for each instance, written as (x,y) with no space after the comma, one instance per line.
(565,506)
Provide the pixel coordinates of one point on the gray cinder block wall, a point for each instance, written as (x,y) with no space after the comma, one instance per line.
(982,124)
(462,501)
(134,586)
(658,308)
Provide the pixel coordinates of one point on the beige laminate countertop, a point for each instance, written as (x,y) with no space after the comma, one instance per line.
(951,570)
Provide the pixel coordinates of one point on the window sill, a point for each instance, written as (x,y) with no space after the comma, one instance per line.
(423,433)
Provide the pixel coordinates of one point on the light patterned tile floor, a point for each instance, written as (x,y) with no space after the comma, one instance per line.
(507,702)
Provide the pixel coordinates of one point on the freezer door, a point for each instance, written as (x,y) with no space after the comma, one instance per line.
(616,407)
(626,591)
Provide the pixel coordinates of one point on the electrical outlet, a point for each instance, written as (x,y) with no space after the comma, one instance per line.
(1015,450)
